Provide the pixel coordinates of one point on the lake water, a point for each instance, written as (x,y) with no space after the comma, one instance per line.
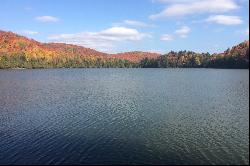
(124,116)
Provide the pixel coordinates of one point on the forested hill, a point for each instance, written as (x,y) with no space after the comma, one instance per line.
(20,52)
(236,57)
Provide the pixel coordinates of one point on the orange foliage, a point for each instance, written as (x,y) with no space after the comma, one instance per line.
(11,44)
(135,56)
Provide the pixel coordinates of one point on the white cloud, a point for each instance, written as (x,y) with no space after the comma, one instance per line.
(28,8)
(184,7)
(167,37)
(183,31)
(122,33)
(137,23)
(225,20)
(29,32)
(134,23)
(47,19)
(156,51)
(171,1)
(242,32)
(103,40)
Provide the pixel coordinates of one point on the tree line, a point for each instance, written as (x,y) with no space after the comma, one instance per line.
(21,61)
(188,59)
(181,59)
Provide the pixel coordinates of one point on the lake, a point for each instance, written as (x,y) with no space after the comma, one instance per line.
(124,116)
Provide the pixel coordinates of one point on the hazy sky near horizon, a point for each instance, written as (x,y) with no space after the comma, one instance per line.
(128,25)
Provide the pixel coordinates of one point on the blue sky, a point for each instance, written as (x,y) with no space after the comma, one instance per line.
(128,25)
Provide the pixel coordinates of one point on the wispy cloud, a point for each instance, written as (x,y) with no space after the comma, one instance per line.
(183,31)
(47,19)
(103,40)
(184,7)
(167,37)
(225,20)
(242,32)
(156,51)
(29,32)
(171,1)
(134,23)
(28,8)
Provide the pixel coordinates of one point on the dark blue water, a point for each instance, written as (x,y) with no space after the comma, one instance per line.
(124,116)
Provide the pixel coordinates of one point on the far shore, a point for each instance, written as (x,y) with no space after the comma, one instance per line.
(18,68)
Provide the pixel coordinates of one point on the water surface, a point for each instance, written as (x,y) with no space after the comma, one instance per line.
(124,116)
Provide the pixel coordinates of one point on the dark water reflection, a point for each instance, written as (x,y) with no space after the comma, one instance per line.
(124,116)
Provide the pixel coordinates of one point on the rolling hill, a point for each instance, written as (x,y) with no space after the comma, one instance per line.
(17,51)
(12,44)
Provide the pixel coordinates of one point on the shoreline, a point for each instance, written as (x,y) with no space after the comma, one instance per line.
(114,68)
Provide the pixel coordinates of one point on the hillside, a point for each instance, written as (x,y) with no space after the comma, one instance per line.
(13,44)
(236,57)
(21,52)
(135,56)
(241,50)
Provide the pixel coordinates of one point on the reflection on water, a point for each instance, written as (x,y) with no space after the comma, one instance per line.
(124,116)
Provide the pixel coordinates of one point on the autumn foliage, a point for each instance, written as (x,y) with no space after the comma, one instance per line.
(19,51)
